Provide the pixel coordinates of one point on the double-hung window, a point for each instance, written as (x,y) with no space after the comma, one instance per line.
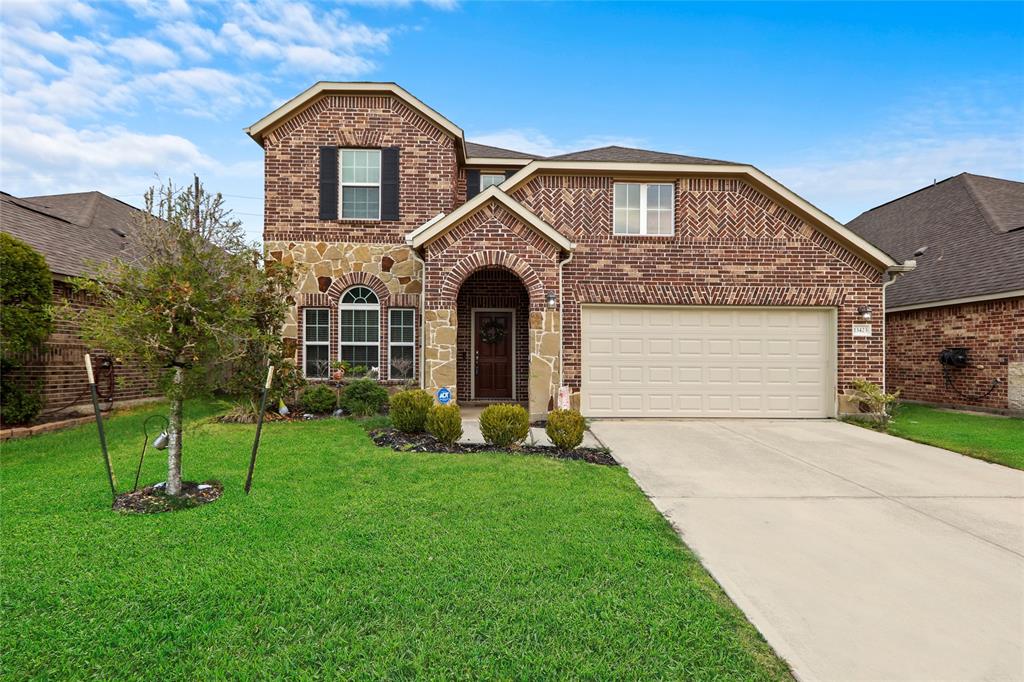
(490,179)
(402,343)
(360,327)
(643,208)
(315,338)
(360,184)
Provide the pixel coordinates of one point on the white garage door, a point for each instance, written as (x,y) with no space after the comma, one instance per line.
(683,361)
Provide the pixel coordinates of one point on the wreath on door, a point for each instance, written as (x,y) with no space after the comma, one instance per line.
(492,332)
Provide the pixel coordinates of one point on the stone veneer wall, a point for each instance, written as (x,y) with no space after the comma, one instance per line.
(993,333)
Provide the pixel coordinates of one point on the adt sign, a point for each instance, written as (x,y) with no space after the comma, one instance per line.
(444,396)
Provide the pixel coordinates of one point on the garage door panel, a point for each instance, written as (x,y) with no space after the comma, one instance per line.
(693,361)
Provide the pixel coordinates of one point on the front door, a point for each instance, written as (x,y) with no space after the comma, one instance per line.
(492,362)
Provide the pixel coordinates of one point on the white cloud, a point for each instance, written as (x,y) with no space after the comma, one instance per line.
(193,40)
(533,141)
(201,91)
(29,12)
(143,51)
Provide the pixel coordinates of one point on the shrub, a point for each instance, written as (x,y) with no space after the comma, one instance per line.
(565,428)
(319,400)
(874,400)
(504,425)
(444,422)
(409,410)
(364,397)
(17,405)
(26,291)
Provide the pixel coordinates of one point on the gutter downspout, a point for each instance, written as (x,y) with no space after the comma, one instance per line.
(561,317)
(423,314)
(893,273)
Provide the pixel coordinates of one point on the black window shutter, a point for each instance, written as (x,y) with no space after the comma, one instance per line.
(328,183)
(510,173)
(472,184)
(389,183)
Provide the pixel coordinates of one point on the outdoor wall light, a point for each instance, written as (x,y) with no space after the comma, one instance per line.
(552,299)
(864,311)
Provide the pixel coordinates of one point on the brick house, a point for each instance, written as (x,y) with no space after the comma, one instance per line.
(74,232)
(967,235)
(645,283)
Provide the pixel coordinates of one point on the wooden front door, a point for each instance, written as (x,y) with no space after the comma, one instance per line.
(492,362)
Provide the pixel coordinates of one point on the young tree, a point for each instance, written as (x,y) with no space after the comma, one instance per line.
(188,296)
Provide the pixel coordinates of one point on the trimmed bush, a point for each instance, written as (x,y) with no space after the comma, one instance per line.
(565,428)
(319,400)
(364,397)
(444,422)
(504,425)
(17,405)
(409,410)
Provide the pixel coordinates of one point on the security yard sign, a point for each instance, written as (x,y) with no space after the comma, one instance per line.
(444,396)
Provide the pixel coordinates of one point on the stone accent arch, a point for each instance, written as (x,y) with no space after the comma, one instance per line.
(481,260)
(341,284)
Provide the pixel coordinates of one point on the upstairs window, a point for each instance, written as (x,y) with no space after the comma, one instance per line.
(360,184)
(642,208)
(490,179)
(360,327)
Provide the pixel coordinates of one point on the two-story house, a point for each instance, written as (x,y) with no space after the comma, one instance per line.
(647,284)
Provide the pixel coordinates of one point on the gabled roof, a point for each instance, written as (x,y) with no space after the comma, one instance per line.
(296,104)
(632,155)
(971,228)
(487,151)
(769,185)
(74,232)
(440,224)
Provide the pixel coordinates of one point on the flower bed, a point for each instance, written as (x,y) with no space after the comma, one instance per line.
(424,442)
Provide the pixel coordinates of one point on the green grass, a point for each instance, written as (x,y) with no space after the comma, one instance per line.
(991,438)
(350,561)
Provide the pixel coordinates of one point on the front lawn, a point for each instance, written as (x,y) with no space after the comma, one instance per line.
(991,438)
(350,561)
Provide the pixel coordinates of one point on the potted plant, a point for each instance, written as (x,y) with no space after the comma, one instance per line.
(338,369)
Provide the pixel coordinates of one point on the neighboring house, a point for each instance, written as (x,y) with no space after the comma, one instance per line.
(967,235)
(74,232)
(646,283)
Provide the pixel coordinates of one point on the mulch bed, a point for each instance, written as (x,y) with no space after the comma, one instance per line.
(153,500)
(424,442)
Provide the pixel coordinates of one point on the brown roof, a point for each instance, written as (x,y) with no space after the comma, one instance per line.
(630,155)
(971,229)
(476,149)
(74,232)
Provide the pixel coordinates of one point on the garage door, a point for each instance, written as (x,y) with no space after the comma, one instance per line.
(649,361)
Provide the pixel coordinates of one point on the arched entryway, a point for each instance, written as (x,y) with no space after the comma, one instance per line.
(493,338)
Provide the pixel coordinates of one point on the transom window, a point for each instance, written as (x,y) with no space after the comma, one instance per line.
(642,208)
(360,327)
(360,184)
(315,339)
(490,179)
(402,343)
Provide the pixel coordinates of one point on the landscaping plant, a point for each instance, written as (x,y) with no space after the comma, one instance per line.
(364,397)
(504,425)
(875,401)
(26,294)
(408,410)
(444,422)
(319,399)
(187,296)
(565,428)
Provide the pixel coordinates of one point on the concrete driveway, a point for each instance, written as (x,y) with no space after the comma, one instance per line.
(859,556)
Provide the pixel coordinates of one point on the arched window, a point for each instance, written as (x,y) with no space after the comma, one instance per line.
(360,327)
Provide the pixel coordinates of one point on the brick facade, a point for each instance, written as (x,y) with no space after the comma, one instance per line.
(993,333)
(58,367)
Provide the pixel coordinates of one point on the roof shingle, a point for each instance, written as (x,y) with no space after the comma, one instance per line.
(631,155)
(970,228)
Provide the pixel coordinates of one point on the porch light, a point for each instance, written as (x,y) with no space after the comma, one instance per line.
(551,299)
(864,311)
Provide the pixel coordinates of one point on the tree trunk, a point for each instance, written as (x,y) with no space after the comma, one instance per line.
(174,448)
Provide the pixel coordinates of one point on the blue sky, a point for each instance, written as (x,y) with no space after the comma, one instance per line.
(849,105)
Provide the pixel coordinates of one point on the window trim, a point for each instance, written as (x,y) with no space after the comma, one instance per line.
(404,344)
(643,211)
(342,184)
(497,175)
(306,342)
(359,306)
